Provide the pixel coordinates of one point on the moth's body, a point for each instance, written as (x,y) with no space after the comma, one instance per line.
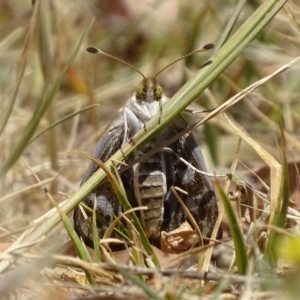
(148,183)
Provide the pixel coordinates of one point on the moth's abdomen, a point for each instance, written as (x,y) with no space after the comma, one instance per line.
(150,188)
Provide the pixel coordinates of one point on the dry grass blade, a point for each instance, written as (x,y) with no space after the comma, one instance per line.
(214,234)
(120,192)
(28,188)
(229,103)
(31,126)
(102,269)
(275,169)
(81,250)
(36,42)
(194,223)
(21,70)
(62,120)
(13,279)
(235,99)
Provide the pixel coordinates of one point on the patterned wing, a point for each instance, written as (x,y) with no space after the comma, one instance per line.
(201,200)
(107,204)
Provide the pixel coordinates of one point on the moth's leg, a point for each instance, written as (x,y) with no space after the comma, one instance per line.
(140,117)
(160,110)
(131,125)
(134,124)
(125,135)
(125,131)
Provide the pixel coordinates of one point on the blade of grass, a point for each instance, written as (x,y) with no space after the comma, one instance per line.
(193,223)
(275,170)
(230,25)
(79,246)
(121,194)
(223,285)
(209,252)
(46,63)
(102,220)
(32,125)
(95,234)
(195,86)
(139,282)
(236,232)
(136,255)
(21,70)
(270,254)
(73,114)
(233,47)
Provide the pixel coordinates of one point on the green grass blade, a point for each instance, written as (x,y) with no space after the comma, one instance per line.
(73,114)
(103,221)
(236,232)
(139,282)
(95,234)
(230,25)
(270,254)
(78,244)
(121,194)
(32,125)
(233,47)
(21,71)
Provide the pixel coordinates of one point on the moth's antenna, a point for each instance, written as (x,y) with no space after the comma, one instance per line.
(98,51)
(202,49)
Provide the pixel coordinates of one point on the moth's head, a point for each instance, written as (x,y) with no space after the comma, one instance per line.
(149,90)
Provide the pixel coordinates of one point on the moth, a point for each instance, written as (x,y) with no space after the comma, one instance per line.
(148,183)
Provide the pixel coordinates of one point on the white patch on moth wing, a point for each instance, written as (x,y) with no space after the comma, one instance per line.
(103,207)
(145,110)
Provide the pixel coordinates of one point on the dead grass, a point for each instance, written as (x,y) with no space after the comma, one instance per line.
(148,35)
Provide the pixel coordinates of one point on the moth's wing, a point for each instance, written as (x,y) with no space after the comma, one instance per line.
(201,200)
(107,204)
(111,141)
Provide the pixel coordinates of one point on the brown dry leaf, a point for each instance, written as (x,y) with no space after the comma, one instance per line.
(122,257)
(179,240)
